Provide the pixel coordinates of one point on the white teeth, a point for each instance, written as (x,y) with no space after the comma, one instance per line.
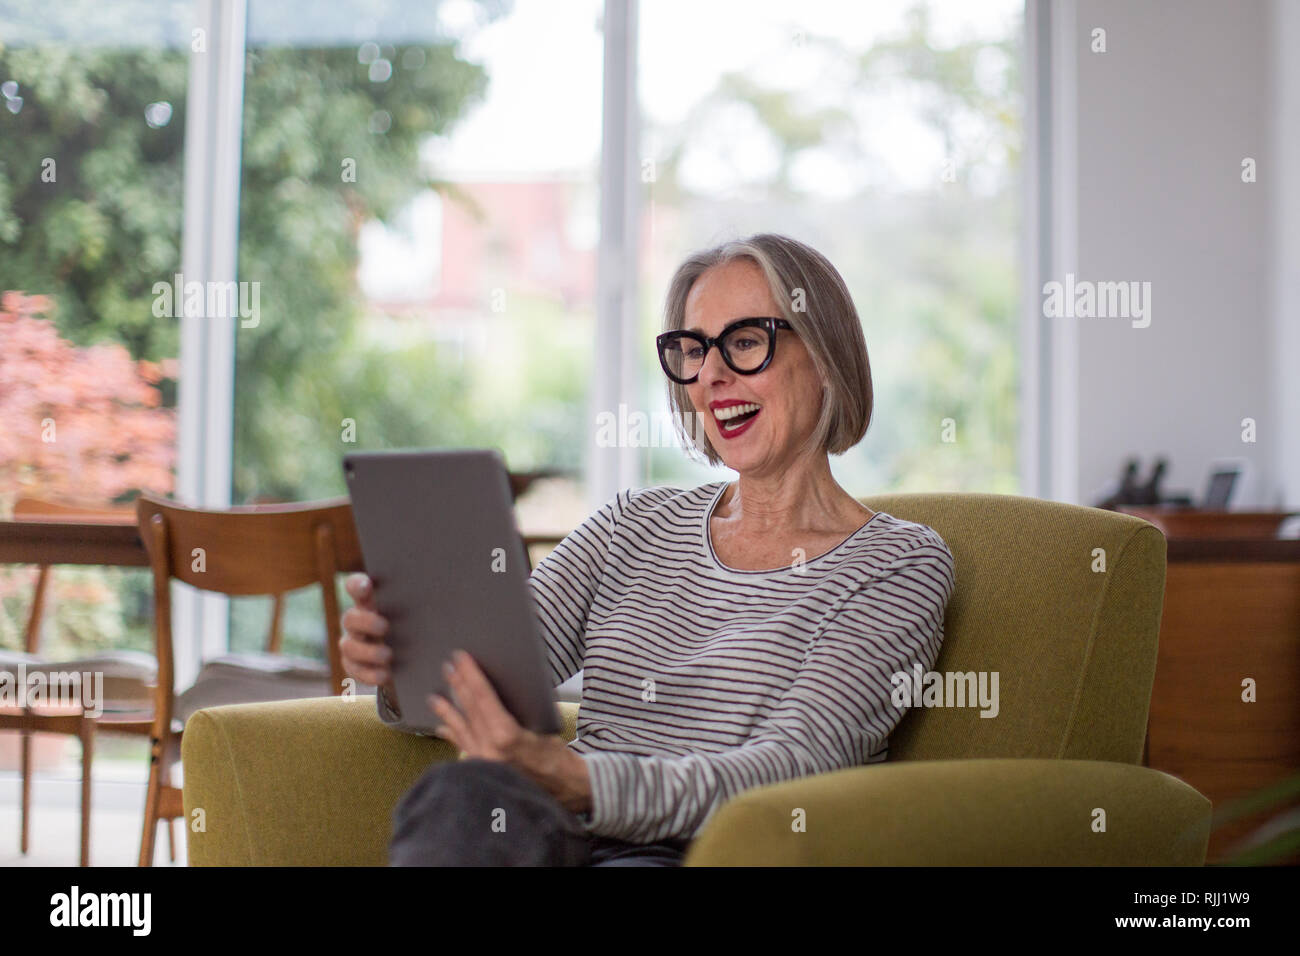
(731,411)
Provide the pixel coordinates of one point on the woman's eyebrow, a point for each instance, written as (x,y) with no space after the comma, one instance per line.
(699,331)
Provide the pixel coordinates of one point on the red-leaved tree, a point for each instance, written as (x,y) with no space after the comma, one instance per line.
(84,426)
(78,424)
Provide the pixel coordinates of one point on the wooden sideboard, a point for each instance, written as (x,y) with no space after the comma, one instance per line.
(1231,615)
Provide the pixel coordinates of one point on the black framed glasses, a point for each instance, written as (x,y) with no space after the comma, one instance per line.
(747,347)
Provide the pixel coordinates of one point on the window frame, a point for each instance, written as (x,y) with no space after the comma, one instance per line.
(213,136)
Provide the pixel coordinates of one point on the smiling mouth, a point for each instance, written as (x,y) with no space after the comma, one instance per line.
(735,417)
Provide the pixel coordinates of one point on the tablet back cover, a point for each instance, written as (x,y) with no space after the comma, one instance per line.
(439,539)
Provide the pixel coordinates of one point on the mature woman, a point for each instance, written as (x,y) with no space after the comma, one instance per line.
(731,635)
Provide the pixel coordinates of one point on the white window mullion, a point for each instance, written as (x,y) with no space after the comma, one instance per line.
(1049,397)
(1063,374)
(1035,333)
(617,356)
(210,239)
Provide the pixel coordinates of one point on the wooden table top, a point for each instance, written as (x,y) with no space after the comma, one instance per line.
(104,541)
(1211,536)
(1258,550)
(82,540)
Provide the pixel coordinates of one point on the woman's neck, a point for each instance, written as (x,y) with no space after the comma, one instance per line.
(811,502)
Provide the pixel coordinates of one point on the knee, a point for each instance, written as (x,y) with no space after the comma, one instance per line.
(461,812)
(453,785)
(463,792)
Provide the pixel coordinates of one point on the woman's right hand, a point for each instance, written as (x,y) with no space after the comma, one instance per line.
(366,658)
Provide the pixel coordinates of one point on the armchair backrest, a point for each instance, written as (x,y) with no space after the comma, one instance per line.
(1064,603)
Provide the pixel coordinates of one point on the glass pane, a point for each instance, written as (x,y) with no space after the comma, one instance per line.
(887,136)
(419,205)
(92,130)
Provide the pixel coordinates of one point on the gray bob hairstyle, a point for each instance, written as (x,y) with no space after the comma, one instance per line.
(814,299)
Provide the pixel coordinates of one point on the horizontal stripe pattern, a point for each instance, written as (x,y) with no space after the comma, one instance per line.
(700,680)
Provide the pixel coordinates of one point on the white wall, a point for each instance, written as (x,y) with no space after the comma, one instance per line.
(1285,306)
(1163,119)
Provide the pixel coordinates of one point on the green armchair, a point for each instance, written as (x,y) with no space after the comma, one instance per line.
(1063,602)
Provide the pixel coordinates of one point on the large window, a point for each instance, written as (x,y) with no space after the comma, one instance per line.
(888,136)
(418,207)
(92,135)
(418,236)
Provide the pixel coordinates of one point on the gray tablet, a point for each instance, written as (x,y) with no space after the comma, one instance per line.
(439,540)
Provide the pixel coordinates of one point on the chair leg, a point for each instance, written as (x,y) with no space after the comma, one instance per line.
(151,797)
(87,761)
(171,757)
(26,764)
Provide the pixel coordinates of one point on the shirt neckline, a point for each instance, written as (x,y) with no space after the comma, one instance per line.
(713,556)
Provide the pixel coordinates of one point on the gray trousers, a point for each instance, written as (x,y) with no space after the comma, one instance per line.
(476,812)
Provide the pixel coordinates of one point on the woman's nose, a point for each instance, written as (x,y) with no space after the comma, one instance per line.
(714,365)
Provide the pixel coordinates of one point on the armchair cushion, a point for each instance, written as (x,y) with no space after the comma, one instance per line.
(979,812)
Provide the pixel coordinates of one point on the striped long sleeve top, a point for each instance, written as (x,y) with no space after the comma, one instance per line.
(701,681)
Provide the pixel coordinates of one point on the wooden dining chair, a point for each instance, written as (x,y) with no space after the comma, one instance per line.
(275,635)
(126,673)
(266,549)
(239,551)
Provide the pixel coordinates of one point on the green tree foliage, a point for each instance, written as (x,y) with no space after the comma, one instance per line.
(91,209)
(312,117)
(92,140)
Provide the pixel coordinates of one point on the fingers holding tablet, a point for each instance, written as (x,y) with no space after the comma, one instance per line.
(366,657)
(361,589)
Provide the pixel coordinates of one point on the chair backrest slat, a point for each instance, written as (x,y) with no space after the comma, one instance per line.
(257,549)
(248,550)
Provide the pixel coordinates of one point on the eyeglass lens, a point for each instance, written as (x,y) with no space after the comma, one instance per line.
(746,348)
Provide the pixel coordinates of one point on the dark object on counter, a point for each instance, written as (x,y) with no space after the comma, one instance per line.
(1131,492)
(1149,493)
(1127,492)
(1219,493)
(1128,486)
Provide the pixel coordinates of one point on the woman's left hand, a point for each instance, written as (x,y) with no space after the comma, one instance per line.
(482,727)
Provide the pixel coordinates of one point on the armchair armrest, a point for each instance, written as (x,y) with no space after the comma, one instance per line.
(977,812)
(301,782)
